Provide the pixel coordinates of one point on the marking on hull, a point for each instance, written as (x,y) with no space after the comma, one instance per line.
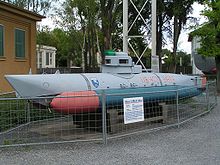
(95,82)
(168,78)
(46,85)
(161,83)
(87,81)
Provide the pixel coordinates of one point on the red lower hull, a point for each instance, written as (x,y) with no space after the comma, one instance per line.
(75,102)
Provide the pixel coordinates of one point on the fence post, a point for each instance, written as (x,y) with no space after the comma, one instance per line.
(207,96)
(177,108)
(104,120)
(216,93)
(28,112)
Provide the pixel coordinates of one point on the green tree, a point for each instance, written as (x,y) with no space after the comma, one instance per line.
(67,43)
(164,29)
(179,11)
(108,14)
(209,34)
(44,36)
(97,20)
(37,6)
(83,16)
(62,44)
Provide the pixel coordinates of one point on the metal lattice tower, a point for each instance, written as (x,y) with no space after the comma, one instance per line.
(127,28)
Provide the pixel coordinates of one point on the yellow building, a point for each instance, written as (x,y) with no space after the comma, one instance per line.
(17,42)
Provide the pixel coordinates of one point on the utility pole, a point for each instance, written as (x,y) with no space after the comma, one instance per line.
(154,57)
(125,26)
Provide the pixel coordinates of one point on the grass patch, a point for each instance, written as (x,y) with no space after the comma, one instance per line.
(6,142)
(8,95)
(14,112)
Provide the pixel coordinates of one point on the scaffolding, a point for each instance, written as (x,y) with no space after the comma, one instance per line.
(127,29)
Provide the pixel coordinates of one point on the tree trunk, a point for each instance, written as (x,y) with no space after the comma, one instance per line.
(107,21)
(82,52)
(85,55)
(33,5)
(177,29)
(106,29)
(28,4)
(217,61)
(89,48)
(159,40)
(93,48)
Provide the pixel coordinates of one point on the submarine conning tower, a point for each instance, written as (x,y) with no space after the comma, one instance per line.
(119,63)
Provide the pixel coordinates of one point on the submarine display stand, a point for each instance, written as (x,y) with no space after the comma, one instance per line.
(81,94)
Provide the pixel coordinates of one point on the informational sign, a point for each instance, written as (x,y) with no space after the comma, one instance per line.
(133,110)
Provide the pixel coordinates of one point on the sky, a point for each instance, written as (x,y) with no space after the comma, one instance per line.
(183,44)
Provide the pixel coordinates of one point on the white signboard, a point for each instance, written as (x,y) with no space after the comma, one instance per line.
(133,110)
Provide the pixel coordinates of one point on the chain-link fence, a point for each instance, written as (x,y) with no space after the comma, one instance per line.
(101,117)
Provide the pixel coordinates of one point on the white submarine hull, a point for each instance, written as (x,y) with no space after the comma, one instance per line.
(54,84)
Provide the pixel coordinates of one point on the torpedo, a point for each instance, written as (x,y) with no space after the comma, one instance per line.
(78,93)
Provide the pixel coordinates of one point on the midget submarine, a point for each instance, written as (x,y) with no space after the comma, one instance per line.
(82,93)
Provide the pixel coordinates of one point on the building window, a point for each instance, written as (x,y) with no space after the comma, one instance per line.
(1,41)
(19,43)
(40,60)
(47,58)
(51,58)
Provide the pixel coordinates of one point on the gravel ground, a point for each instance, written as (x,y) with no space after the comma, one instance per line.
(194,143)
